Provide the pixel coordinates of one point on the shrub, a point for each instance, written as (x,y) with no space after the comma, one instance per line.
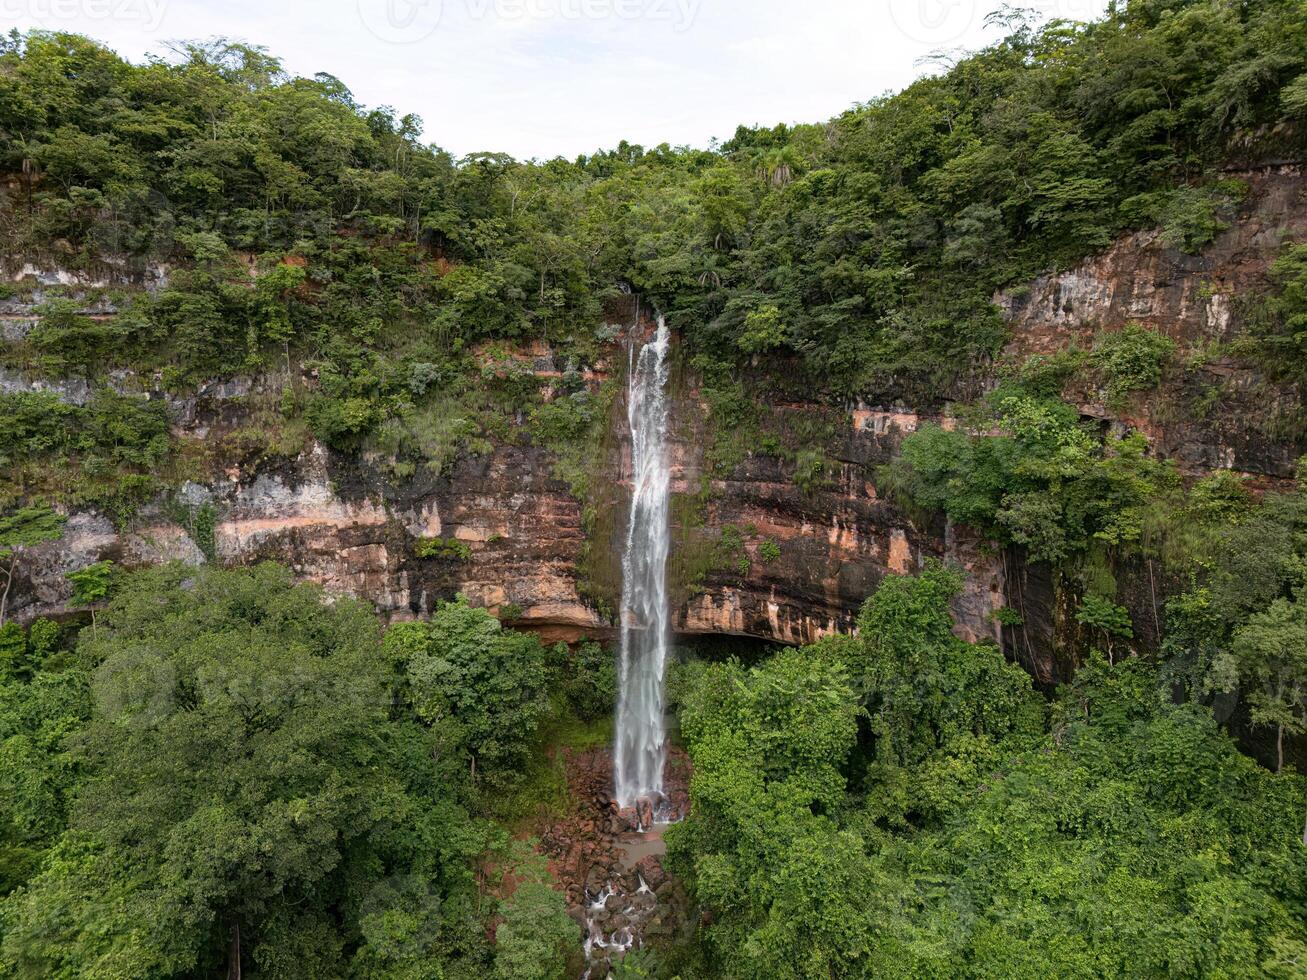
(763,331)
(342,422)
(1131,359)
(1189,217)
(590,681)
(449,549)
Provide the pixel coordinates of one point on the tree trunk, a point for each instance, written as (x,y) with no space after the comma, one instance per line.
(234,953)
(9,580)
(1279,748)
(1304,831)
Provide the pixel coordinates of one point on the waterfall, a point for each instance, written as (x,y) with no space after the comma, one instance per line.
(640,750)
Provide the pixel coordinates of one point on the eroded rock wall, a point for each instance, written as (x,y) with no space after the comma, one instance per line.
(1219,414)
(524,544)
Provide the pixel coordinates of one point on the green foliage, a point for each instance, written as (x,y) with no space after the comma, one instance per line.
(886,804)
(1044,482)
(245,769)
(1007,616)
(589,681)
(91,584)
(1103,614)
(27,528)
(536,934)
(1189,217)
(1269,659)
(44,704)
(572,425)
(742,424)
(1277,321)
(922,686)
(203,526)
(967,838)
(763,331)
(868,246)
(71,341)
(1045,375)
(478,687)
(1106,619)
(448,549)
(1131,359)
(768,745)
(543,793)
(1236,630)
(106,453)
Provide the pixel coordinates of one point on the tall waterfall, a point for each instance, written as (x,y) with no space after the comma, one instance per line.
(641,750)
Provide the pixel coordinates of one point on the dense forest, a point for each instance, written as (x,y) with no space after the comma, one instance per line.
(212,766)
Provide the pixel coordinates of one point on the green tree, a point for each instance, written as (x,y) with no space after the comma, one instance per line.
(246,779)
(536,935)
(1268,658)
(91,585)
(44,703)
(479,686)
(1102,614)
(905,631)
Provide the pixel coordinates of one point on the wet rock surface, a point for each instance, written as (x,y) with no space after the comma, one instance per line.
(611,870)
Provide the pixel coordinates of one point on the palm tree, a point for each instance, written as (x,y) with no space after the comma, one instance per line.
(776,166)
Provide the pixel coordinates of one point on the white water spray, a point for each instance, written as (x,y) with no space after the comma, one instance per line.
(641,748)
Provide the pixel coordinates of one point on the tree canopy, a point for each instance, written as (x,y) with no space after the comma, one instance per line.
(901,804)
(241,776)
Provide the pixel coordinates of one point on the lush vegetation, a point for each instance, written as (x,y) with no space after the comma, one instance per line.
(114,448)
(1043,480)
(303,227)
(901,803)
(223,767)
(229,765)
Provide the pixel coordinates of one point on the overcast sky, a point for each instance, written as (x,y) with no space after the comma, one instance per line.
(540,78)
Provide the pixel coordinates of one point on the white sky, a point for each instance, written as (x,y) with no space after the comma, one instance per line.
(540,78)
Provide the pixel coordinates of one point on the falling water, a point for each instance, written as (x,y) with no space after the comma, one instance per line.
(640,752)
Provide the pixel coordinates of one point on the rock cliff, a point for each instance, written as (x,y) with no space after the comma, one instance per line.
(760,550)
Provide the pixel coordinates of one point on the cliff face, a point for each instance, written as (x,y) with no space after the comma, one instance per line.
(1218,415)
(809,555)
(757,552)
(513,531)
(521,538)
